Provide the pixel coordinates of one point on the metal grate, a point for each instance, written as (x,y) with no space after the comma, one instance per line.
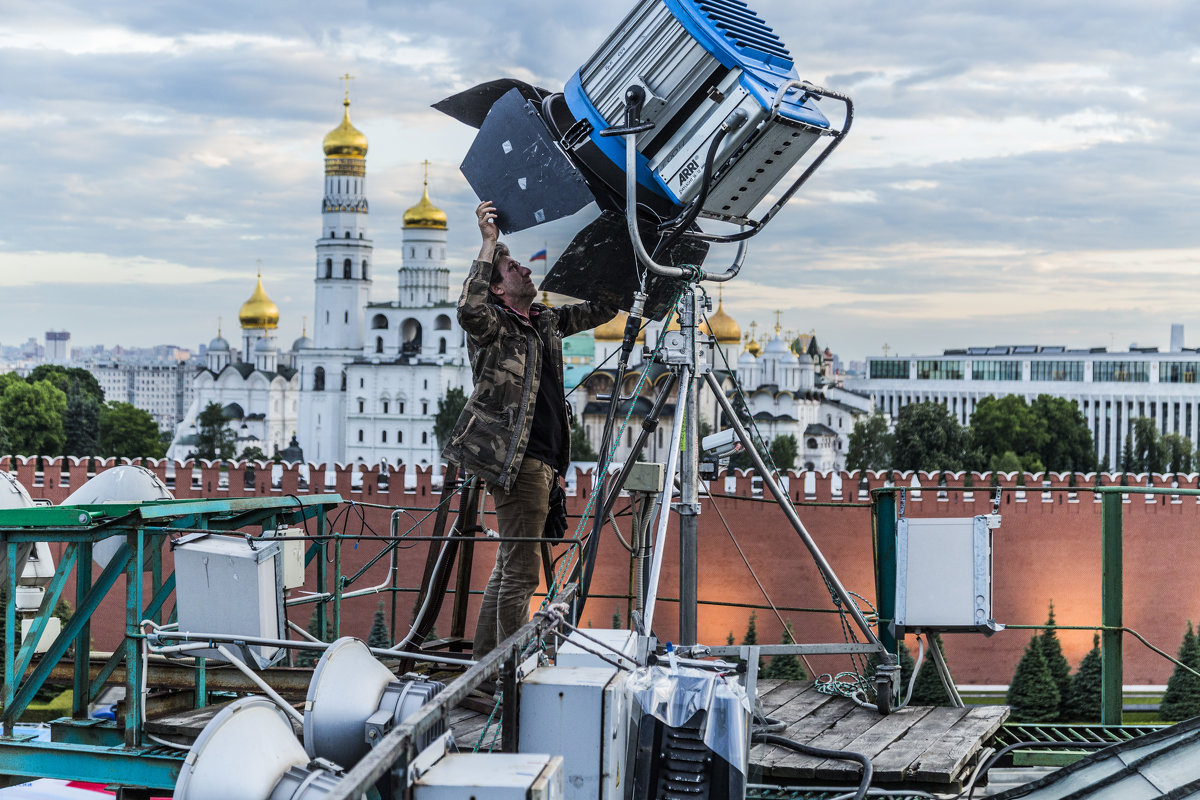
(742,27)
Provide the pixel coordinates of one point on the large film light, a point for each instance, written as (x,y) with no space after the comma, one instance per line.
(718,116)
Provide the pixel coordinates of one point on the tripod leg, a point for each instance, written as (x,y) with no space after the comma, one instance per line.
(785,504)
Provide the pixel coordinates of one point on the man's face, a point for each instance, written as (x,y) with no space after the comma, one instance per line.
(515,283)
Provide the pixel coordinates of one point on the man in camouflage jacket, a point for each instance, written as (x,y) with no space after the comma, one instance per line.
(513,432)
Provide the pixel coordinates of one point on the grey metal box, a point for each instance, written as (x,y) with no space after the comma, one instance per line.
(494,776)
(577,651)
(225,585)
(581,714)
(944,574)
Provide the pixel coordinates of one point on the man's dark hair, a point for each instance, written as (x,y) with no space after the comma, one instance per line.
(500,252)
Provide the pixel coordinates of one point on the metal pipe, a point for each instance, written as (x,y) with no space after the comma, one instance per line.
(785,504)
(284,705)
(635,237)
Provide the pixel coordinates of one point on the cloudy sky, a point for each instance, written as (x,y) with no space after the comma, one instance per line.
(1023,172)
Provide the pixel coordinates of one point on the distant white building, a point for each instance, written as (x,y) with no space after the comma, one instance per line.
(164,390)
(1111,389)
(784,383)
(58,347)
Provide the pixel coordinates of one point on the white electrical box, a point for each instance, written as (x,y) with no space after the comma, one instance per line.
(944,574)
(578,651)
(228,585)
(492,776)
(581,714)
(51,632)
(293,557)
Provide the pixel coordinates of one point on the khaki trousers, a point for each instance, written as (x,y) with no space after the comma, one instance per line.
(520,512)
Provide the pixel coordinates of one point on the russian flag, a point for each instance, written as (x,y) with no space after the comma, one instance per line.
(540,255)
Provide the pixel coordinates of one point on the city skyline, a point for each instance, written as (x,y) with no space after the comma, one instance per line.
(1015,174)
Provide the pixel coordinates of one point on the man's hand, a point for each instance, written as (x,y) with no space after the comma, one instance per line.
(485,215)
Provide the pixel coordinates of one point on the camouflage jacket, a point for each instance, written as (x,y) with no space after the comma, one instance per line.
(492,432)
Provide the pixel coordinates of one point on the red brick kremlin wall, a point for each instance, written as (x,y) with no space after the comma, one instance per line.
(1047,549)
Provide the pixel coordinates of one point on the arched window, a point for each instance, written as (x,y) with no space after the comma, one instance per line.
(360,434)
(384,435)
(364,275)
(319,379)
(343,380)
(347,236)
(333,234)
(442,345)
(424,437)
(329,268)
(400,437)
(385,406)
(442,322)
(378,344)
(361,404)
(812,444)
(346,268)
(379,322)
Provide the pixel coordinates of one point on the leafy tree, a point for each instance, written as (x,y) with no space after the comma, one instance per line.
(70,380)
(786,667)
(1083,698)
(784,450)
(1147,453)
(129,432)
(581,448)
(1033,694)
(253,453)
(1068,446)
(1008,462)
(1182,698)
(32,417)
(81,425)
(1007,424)
(379,636)
(928,689)
(1056,662)
(871,444)
(1178,452)
(448,411)
(928,437)
(215,440)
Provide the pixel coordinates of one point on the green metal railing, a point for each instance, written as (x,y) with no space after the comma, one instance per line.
(110,752)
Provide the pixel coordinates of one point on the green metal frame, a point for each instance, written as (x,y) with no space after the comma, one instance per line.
(1112,617)
(110,753)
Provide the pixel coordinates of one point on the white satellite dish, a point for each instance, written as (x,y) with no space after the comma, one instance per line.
(249,752)
(124,484)
(353,700)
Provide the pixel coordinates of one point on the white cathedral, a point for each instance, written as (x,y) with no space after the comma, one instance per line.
(365,387)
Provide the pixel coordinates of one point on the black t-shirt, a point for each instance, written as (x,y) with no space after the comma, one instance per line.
(549,415)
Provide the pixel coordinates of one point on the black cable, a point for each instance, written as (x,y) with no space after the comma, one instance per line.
(841,755)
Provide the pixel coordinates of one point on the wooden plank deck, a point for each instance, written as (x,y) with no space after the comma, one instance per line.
(916,747)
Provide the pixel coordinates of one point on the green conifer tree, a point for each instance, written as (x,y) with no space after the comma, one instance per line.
(1033,694)
(1083,699)
(1182,698)
(786,667)
(928,689)
(751,637)
(308,658)
(729,640)
(380,636)
(1056,662)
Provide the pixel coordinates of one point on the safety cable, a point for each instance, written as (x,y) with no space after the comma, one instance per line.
(819,752)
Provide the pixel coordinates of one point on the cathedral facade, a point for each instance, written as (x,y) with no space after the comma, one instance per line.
(365,387)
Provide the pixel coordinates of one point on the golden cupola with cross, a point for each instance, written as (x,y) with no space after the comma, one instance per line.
(259,311)
(425,214)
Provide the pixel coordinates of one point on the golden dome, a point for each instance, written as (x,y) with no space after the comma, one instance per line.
(723,326)
(753,348)
(259,311)
(345,141)
(614,330)
(425,214)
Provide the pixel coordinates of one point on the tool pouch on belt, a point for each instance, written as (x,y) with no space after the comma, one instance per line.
(556,519)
